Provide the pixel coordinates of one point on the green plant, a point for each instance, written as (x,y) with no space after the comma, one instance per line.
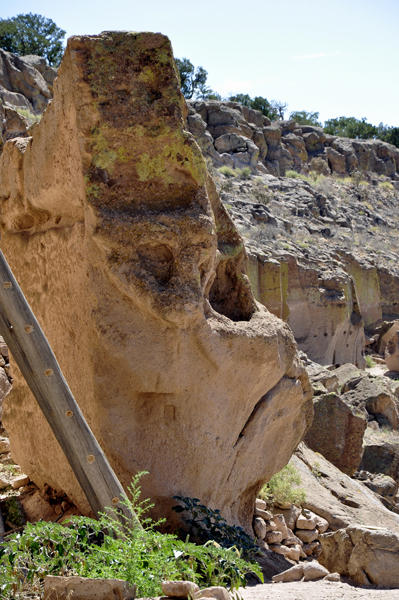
(29,116)
(109,548)
(208,525)
(226,186)
(386,186)
(244,173)
(316,469)
(369,362)
(294,175)
(227,171)
(261,194)
(283,487)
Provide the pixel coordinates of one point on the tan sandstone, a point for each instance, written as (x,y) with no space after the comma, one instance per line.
(115,232)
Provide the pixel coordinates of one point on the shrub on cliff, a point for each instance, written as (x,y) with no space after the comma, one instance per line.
(32,34)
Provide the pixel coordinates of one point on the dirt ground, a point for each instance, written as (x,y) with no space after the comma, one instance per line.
(315,590)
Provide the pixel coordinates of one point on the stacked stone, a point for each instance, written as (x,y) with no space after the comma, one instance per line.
(293,532)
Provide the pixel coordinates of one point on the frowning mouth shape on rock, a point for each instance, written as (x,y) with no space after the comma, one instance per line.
(116,234)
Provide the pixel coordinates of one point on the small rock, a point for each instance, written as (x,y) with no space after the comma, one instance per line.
(262,544)
(293,574)
(65,505)
(270,526)
(312,549)
(260,528)
(322,524)
(314,570)
(273,537)
(306,520)
(307,535)
(333,577)
(281,525)
(265,514)
(4,350)
(20,481)
(279,549)
(261,504)
(4,445)
(294,553)
(179,589)
(218,592)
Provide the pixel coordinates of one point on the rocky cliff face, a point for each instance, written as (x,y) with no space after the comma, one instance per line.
(116,234)
(26,87)
(236,136)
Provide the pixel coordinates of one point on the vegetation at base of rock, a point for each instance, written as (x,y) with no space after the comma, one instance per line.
(283,487)
(369,362)
(209,525)
(32,34)
(108,548)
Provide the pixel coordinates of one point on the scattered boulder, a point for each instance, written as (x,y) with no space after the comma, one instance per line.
(217,592)
(369,557)
(180,589)
(308,571)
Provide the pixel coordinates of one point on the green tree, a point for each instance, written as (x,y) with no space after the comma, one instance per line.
(389,134)
(32,34)
(303,117)
(351,127)
(257,103)
(192,79)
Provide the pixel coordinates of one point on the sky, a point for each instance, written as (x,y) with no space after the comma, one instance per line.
(335,57)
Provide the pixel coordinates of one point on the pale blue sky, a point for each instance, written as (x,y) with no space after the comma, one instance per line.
(338,57)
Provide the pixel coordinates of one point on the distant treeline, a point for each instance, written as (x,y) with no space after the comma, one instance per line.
(193,85)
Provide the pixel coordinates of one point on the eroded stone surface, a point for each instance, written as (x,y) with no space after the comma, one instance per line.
(137,274)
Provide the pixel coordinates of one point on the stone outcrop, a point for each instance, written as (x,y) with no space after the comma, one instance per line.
(236,136)
(338,498)
(26,82)
(337,431)
(136,272)
(366,555)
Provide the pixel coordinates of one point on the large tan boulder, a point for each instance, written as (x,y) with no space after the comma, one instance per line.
(392,352)
(116,234)
(82,588)
(369,557)
(337,431)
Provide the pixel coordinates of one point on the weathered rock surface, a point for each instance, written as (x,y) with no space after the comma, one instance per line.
(337,432)
(310,571)
(180,589)
(338,498)
(369,557)
(234,135)
(82,588)
(137,275)
(25,81)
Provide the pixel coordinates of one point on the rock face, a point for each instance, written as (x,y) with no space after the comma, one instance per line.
(236,136)
(337,432)
(338,498)
(368,557)
(137,274)
(26,82)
